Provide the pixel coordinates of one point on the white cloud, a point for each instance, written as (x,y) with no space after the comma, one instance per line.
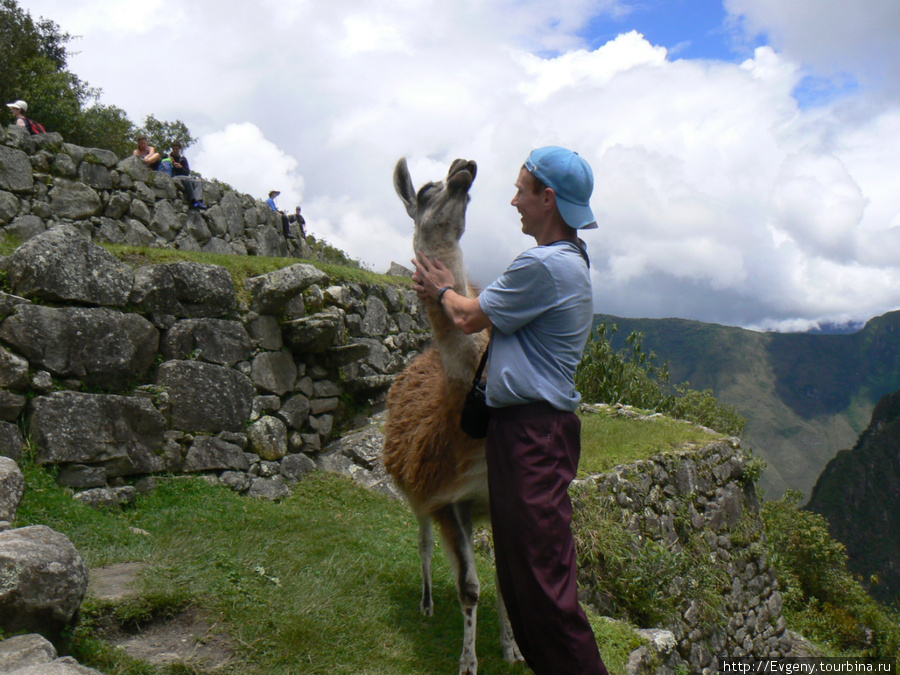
(720,198)
(242,157)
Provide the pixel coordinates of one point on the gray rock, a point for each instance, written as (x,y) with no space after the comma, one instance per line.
(270,292)
(82,476)
(238,481)
(203,290)
(134,168)
(102,347)
(11,441)
(11,405)
(62,265)
(164,222)
(268,438)
(206,397)
(99,498)
(22,651)
(315,334)
(105,158)
(364,446)
(70,427)
(15,170)
(294,411)
(273,488)
(376,319)
(44,582)
(9,207)
(208,453)
(26,227)
(94,175)
(212,340)
(12,487)
(274,372)
(74,200)
(117,206)
(13,370)
(266,332)
(295,466)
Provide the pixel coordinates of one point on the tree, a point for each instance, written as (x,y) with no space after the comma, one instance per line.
(160,134)
(34,67)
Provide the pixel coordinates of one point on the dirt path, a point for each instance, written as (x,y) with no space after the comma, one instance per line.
(184,638)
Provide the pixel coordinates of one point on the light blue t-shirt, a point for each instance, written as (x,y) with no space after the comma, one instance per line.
(542,309)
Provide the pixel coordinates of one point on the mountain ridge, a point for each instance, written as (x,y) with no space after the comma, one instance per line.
(805,395)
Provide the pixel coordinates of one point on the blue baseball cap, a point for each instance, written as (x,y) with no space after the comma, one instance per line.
(571,178)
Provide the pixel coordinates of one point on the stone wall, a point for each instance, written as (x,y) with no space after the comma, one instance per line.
(703,498)
(117,372)
(45,181)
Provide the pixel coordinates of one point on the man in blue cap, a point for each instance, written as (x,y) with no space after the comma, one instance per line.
(540,311)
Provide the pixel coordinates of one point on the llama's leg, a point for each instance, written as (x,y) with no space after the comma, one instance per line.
(507,640)
(426,552)
(456,528)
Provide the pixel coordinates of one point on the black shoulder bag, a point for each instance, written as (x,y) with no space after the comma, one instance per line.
(475,413)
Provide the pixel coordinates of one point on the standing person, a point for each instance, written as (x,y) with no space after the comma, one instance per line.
(147,153)
(285,224)
(181,171)
(540,312)
(301,222)
(18,110)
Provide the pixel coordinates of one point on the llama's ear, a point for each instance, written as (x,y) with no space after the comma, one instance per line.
(404,187)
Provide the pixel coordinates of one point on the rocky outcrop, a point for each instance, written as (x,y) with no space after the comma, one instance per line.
(701,500)
(45,182)
(162,369)
(858,493)
(44,581)
(33,654)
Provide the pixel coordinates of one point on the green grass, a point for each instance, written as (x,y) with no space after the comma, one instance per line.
(327,581)
(608,441)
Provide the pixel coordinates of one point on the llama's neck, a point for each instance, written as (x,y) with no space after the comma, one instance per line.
(460,353)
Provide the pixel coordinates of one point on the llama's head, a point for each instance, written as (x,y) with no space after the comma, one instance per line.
(438,209)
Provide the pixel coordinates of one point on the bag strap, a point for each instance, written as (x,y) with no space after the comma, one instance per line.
(481,365)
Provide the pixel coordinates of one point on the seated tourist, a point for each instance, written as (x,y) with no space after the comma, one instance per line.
(181,172)
(148,154)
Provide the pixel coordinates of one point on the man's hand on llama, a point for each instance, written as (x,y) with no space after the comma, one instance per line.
(431,276)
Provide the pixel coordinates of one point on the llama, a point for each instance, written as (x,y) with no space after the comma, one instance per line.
(440,469)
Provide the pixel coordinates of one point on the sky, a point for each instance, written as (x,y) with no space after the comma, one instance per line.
(746,153)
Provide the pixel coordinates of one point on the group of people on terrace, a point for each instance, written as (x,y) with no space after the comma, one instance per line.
(175,164)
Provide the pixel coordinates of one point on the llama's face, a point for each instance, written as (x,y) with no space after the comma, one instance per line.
(438,209)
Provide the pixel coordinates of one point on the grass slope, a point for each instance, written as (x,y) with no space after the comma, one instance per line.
(805,396)
(326,581)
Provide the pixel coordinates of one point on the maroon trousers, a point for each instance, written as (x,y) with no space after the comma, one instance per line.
(532,456)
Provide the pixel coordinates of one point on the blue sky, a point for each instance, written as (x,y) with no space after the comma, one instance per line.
(745,152)
(689,29)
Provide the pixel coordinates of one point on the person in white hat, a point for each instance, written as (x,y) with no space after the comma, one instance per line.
(18,110)
(539,312)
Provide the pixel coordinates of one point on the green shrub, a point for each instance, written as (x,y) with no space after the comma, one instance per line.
(822,599)
(641,580)
(630,376)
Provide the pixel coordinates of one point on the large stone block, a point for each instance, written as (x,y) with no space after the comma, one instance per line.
(15,170)
(212,340)
(44,582)
(101,347)
(63,265)
(270,292)
(124,431)
(206,397)
(12,487)
(74,200)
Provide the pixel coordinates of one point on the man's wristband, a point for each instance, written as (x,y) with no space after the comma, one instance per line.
(440,294)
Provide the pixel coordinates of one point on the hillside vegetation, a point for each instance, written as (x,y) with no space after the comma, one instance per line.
(804,396)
